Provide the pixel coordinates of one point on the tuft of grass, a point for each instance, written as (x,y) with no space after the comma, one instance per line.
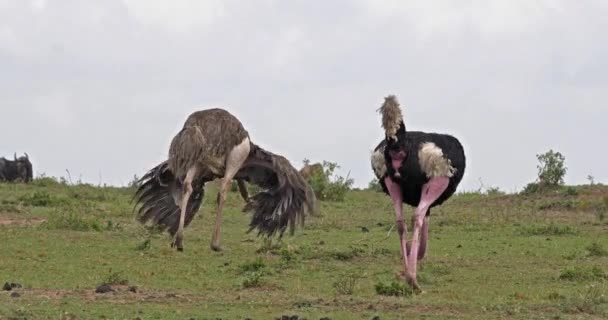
(596,250)
(345,285)
(41,198)
(116,278)
(144,246)
(72,221)
(252,266)
(592,301)
(347,254)
(551,229)
(582,274)
(559,204)
(394,289)
(268,246)
(570,191)
(253,280)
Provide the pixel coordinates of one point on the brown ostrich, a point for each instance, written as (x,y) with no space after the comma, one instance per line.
(214,144)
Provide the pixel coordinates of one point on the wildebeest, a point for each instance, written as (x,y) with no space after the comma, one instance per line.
(19,169)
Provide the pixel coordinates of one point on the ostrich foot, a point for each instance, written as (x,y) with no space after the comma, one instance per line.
(410,280)
(216,247)
(177,243)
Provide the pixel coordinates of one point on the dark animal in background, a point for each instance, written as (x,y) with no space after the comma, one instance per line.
(214,144)
(17,170)
(420,169)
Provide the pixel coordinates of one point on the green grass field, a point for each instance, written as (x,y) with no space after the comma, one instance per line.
(490,257)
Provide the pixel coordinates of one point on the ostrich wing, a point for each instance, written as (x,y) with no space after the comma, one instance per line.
(286,198)
(158,195)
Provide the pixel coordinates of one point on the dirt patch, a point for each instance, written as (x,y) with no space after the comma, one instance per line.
(5,221)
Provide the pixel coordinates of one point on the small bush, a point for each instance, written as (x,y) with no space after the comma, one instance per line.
(327,190)
(597,250)
(253,280)
(570,191)
(531,188)
(395,289)
(346,284)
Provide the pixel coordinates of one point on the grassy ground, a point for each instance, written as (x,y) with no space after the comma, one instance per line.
(490,257)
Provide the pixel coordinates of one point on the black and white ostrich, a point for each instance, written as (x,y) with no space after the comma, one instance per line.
(417,168)
(214,144)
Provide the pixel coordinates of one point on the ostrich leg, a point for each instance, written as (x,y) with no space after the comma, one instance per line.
(395,192)
(431,191)
(423,237)
(243,189)
(186,192)
(234,161)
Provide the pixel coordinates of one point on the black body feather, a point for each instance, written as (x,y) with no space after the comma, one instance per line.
(159,193)
(412,177)
(287,197)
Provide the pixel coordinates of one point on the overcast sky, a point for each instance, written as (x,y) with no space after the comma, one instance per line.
(101,87)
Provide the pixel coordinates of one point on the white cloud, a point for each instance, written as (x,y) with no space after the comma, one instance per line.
(38,5)
(54,108)
(177,15)
(485,17)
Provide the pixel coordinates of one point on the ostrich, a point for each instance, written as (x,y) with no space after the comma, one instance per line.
(214,144)
(417,168)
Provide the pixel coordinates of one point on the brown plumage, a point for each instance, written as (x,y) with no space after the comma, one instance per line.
(214,144)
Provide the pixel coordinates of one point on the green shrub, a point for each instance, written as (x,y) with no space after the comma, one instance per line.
(551,168)
(395,289)
(252,280)
(328,186)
